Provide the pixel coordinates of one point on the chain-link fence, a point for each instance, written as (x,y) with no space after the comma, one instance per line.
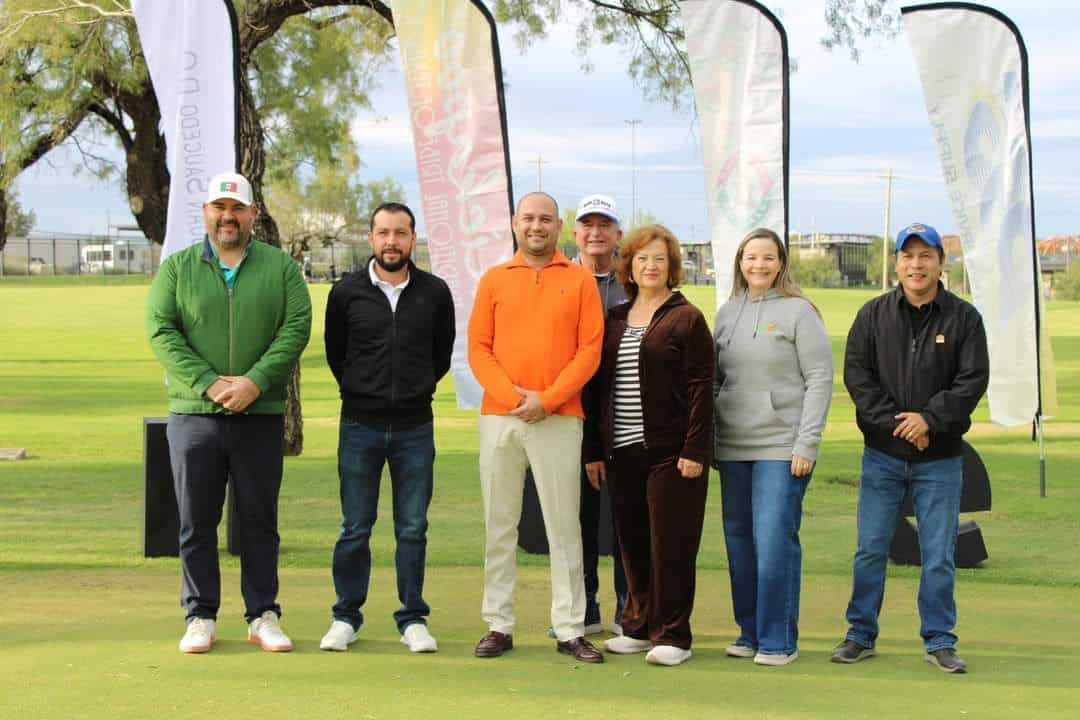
(41,254)
(57,254)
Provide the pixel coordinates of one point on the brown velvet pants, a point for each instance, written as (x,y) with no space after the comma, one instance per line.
(658,518)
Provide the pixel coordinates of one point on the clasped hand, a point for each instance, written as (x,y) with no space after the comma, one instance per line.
(233,392)
(529,408)
(914,429)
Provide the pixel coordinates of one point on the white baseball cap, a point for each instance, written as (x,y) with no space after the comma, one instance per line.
(230,185)
(599,205)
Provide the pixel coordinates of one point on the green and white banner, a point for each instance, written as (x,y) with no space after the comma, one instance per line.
(190,50)
(739,67)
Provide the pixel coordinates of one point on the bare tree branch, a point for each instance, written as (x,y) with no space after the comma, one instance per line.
(115,121)
(263,19)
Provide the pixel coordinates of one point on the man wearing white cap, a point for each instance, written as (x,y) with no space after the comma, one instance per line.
(597,232)
(228,318)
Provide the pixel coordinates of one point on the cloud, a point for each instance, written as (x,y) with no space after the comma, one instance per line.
(384,131)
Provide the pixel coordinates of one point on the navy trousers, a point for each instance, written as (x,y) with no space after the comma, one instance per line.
(206,452)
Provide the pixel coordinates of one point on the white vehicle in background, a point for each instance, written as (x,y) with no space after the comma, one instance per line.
(117,256)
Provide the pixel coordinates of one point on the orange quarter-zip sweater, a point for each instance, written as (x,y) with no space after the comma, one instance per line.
(540,329)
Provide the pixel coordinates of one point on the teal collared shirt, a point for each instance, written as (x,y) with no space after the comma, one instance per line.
(229,272)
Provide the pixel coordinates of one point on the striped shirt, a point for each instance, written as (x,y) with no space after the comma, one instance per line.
(629,423)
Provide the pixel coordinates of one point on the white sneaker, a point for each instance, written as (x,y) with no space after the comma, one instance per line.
(625,645)
(616,629)
(667,655)
(776,660)
(198,637)
(419,640)
(339,637)
(265,631)
(739,651)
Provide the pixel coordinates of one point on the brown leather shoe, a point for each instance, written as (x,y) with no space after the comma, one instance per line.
(494,644)
(581,649)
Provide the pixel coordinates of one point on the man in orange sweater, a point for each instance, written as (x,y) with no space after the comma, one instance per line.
(534,341)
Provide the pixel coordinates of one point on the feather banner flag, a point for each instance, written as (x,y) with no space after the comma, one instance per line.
(739,67)
(190,48)
(453,75)
(973,66)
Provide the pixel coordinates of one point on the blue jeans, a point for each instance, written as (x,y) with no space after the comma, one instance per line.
(935,492)
(762,513)
(362,451)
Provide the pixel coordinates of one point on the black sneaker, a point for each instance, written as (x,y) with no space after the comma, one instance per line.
(947,660)
(850,651)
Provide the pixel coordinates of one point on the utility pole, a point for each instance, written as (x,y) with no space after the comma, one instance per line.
(539,175)
(885,235)
(633,169)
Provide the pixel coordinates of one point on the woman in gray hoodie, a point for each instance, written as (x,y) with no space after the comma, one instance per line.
(774,383)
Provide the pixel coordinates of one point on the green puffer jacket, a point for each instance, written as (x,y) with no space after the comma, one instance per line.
(199,329)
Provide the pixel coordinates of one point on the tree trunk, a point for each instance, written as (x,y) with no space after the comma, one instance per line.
(3,217)
(147,168)
(252,165)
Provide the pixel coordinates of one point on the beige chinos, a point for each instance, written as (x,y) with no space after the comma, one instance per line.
(552,448)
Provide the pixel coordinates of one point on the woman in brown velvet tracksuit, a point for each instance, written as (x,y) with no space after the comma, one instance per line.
(654,390)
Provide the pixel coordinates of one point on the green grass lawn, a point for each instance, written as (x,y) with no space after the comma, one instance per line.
(90,627)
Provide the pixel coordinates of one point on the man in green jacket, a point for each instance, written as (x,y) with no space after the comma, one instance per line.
(228,318)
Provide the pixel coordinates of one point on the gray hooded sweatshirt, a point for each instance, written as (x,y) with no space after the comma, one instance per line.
(774,378)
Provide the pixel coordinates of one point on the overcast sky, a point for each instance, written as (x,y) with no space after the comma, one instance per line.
(850,123)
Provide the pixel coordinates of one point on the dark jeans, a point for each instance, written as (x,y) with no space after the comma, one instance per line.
(762,514)
(362,451)
(591,507)
(658,516)
(935,493)
(205,452)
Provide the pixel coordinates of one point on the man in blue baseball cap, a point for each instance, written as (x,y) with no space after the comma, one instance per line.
(916,366)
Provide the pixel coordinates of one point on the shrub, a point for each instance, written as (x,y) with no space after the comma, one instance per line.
(1067,284)
(816,271)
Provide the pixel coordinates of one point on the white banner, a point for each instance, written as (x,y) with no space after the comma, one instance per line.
(190,50)
(739,67)
(973,68)
(449,51)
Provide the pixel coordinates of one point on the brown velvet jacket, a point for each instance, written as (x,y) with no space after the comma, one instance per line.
(675,366)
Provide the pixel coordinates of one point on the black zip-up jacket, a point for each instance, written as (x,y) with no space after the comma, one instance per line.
(941,373)
(388,363)
(675,367)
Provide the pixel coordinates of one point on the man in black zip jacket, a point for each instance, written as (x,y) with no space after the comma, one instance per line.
(916,366)
(389,337)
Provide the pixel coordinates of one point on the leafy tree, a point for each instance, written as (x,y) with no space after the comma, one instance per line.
(329,209)
(853,21)
(14,221)
(816,270)
(566,236)
(1067,284)
(873,263)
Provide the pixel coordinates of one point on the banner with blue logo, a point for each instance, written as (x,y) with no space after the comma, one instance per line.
(973,67)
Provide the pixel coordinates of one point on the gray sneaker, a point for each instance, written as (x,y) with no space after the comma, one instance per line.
(850,651)
(947,660)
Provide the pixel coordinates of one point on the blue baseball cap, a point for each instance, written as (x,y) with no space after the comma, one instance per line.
(924,232)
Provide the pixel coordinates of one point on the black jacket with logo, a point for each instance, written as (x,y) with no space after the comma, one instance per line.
(940,373)
(388,363)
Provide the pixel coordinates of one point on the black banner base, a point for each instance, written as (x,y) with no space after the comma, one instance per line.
(532,536)
(161,517)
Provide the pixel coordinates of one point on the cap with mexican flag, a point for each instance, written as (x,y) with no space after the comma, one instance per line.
(230,185)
